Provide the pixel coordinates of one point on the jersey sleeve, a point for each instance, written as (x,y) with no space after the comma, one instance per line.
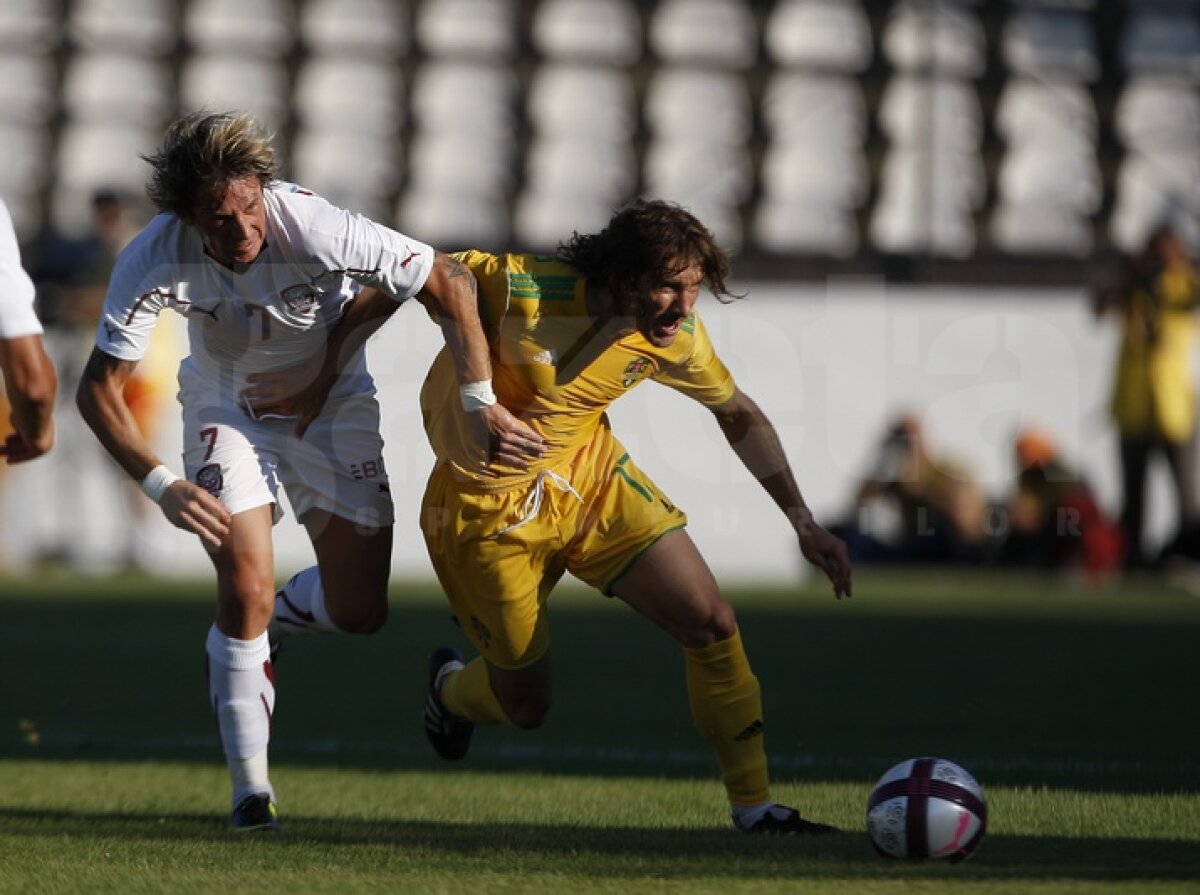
(17,317)
(131,308)
(354,245)
(699,374)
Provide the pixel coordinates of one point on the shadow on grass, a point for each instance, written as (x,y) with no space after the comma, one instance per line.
(1054,700)
(617,851)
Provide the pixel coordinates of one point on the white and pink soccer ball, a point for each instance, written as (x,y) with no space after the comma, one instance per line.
(926,808)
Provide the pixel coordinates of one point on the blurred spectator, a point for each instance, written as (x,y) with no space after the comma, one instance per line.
(916,507)
(71,274)
(1153,401)
(1054,519)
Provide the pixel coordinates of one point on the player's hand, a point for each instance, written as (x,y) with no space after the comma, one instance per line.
(298,393)
(828,553)
(193,509)
(503,438)
(17,450)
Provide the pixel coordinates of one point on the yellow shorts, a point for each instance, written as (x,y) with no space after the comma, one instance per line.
(498,554)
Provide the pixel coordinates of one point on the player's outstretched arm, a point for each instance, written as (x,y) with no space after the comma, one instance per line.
(450,296)
(101,402)
(757,445)
(32,383)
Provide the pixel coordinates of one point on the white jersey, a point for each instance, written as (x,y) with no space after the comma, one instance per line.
(275,314)
(17,317)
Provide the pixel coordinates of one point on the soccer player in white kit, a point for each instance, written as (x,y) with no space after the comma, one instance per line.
(30,380)
(271,277)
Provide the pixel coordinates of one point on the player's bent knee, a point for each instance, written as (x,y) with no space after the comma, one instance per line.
(365,617)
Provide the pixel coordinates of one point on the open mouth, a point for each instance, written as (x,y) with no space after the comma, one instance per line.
(669,327)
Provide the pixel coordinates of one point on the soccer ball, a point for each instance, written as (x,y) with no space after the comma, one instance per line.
(926,808)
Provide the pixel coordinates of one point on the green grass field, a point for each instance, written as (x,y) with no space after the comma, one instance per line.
(1077,709)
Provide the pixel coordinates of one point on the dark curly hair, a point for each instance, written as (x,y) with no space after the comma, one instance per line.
(647,237)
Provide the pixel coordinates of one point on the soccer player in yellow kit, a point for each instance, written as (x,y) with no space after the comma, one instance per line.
(569,335)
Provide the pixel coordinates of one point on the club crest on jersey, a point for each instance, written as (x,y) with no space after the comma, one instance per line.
(210,478)
(635,372)
(301,298)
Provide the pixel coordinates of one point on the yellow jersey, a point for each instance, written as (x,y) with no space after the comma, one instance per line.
(553,368)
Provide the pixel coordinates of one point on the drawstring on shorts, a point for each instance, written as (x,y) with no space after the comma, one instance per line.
(533,501)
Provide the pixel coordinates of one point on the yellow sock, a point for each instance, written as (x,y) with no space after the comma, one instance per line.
(727,707)
(468,694)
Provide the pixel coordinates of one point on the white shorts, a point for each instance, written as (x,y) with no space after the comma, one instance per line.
(337,467)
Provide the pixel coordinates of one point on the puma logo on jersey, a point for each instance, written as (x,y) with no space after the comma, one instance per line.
(411,255)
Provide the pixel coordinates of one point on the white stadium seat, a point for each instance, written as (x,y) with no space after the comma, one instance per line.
(1150,191)
(27,88)
(229,83)
(686,166)
(30,26)
(144,27)
(543,219)
(805,225)
(1047,111)
(481,29)
(814,108)
(25,150)
(1044,176)
(572,99)
(922,110)
(933,35)
(827,34)
(1159,111)
(441,162)
(454,220)
(920,209)
(348,168)
(377,28)
(810,171)
(1039,228)
(714,33)
(465,97)
(605,31)
(256,27)
(675,97)
(350,92)
(117,87)
(575,166)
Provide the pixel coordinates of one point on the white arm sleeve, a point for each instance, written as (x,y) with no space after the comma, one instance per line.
(17,317)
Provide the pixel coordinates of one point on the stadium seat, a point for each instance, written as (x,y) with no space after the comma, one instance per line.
(958,176)
(822,34)
(921,110)
(712,33)
(443,162)
(479,29)
(687,167)
(1044,176)
(25,150)
(358,93)
(349,168)
(675,97)
(143,27)
(1047,111)
(810,171)
(464,97)
(263,28)
(1051,41)
(27,88)
(1161,41)
(1158,111)
(118,87)
(571,99)
(583,167)
(376,28)
(1040,228)
(920,209)
(93,155)
(935,36)
(1150,191)
(825,109)
(805,225)
(603,31)
(221,83)
(30,26)
(543,219)
(454,220)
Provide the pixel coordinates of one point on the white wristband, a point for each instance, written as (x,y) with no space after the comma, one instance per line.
(477,395)
(157,481)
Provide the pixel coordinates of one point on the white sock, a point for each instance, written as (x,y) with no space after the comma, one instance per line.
(300,607)
(746,816)
(241,687)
